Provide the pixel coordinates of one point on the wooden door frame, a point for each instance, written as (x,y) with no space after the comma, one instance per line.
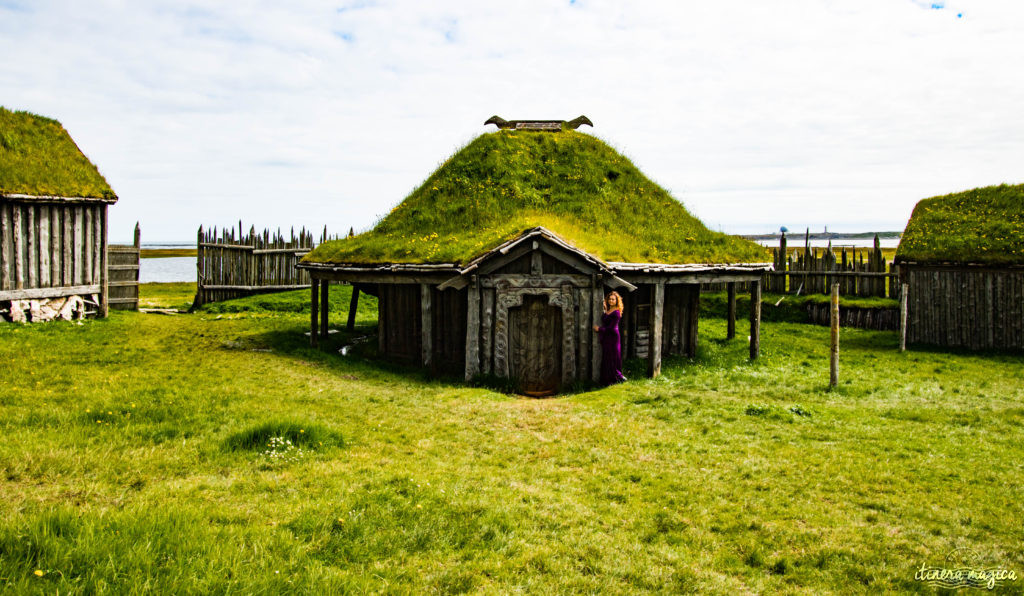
(509,297)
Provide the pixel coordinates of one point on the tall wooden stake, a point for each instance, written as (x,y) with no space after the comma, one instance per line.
(755,319)
(904,290)
(833,378)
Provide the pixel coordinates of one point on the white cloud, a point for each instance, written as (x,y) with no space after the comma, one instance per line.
(804,112)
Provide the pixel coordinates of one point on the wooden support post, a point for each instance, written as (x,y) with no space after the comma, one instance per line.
(104,274)
(324,302)
(657,317)
(833,368)
(694,313)
(426,325)
(755,319)
(473,329)
(353,306)
(314,310)
(731,330)
(596,312)
(904,291)
(382,320)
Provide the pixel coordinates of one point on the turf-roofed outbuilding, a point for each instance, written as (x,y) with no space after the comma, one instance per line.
(498,263)
(962,258)
(53,219)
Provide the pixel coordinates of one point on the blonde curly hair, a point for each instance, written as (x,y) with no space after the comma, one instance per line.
(613,297)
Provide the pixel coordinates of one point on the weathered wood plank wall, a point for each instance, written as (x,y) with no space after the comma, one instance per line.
(879,319)
(971,308)
(53,249)
(231,263)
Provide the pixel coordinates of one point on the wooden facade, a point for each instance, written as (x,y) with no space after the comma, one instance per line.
(964,306)
(526,310)
(54,247)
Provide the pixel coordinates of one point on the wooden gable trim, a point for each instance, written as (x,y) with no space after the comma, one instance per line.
(536,242)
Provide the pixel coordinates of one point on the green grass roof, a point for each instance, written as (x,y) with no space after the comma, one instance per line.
(38,157)
(571,183)
(984,225)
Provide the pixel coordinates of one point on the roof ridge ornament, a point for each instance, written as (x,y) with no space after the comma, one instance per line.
(542,125)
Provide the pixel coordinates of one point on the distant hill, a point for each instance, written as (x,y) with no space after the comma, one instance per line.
(572,183)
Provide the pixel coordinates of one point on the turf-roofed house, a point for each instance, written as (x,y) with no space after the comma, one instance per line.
(53,223)
(962,258)
(499,262)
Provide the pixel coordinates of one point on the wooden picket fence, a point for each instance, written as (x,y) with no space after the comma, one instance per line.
(123,273)
(231,263)
(859,272)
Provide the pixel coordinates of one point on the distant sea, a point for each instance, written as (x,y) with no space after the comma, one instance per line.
(168,269)
(794,241)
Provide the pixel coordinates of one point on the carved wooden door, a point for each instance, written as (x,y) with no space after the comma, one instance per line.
(535,342)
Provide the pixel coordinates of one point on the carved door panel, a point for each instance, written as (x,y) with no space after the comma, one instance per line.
(535,338)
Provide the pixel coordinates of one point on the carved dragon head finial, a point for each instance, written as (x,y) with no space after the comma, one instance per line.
(544,125)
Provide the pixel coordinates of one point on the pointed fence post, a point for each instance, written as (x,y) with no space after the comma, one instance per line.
(833,368)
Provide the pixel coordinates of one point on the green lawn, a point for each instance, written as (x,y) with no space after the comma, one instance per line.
(133,461)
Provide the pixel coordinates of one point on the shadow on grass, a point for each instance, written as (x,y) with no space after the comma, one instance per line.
(362,356)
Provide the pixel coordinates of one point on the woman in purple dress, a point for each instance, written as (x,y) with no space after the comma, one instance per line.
(611,342)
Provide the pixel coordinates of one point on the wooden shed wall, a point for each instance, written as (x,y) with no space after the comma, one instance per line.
(679,326)
(679,320)
(51,246)
(398,315)
(969,308)
(448,316)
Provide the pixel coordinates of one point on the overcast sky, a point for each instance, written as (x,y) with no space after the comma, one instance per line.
(755,114)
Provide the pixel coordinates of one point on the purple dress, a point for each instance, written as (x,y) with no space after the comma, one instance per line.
(611,348)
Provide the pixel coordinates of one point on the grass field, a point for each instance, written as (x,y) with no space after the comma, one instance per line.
(162,253)
(135,459)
